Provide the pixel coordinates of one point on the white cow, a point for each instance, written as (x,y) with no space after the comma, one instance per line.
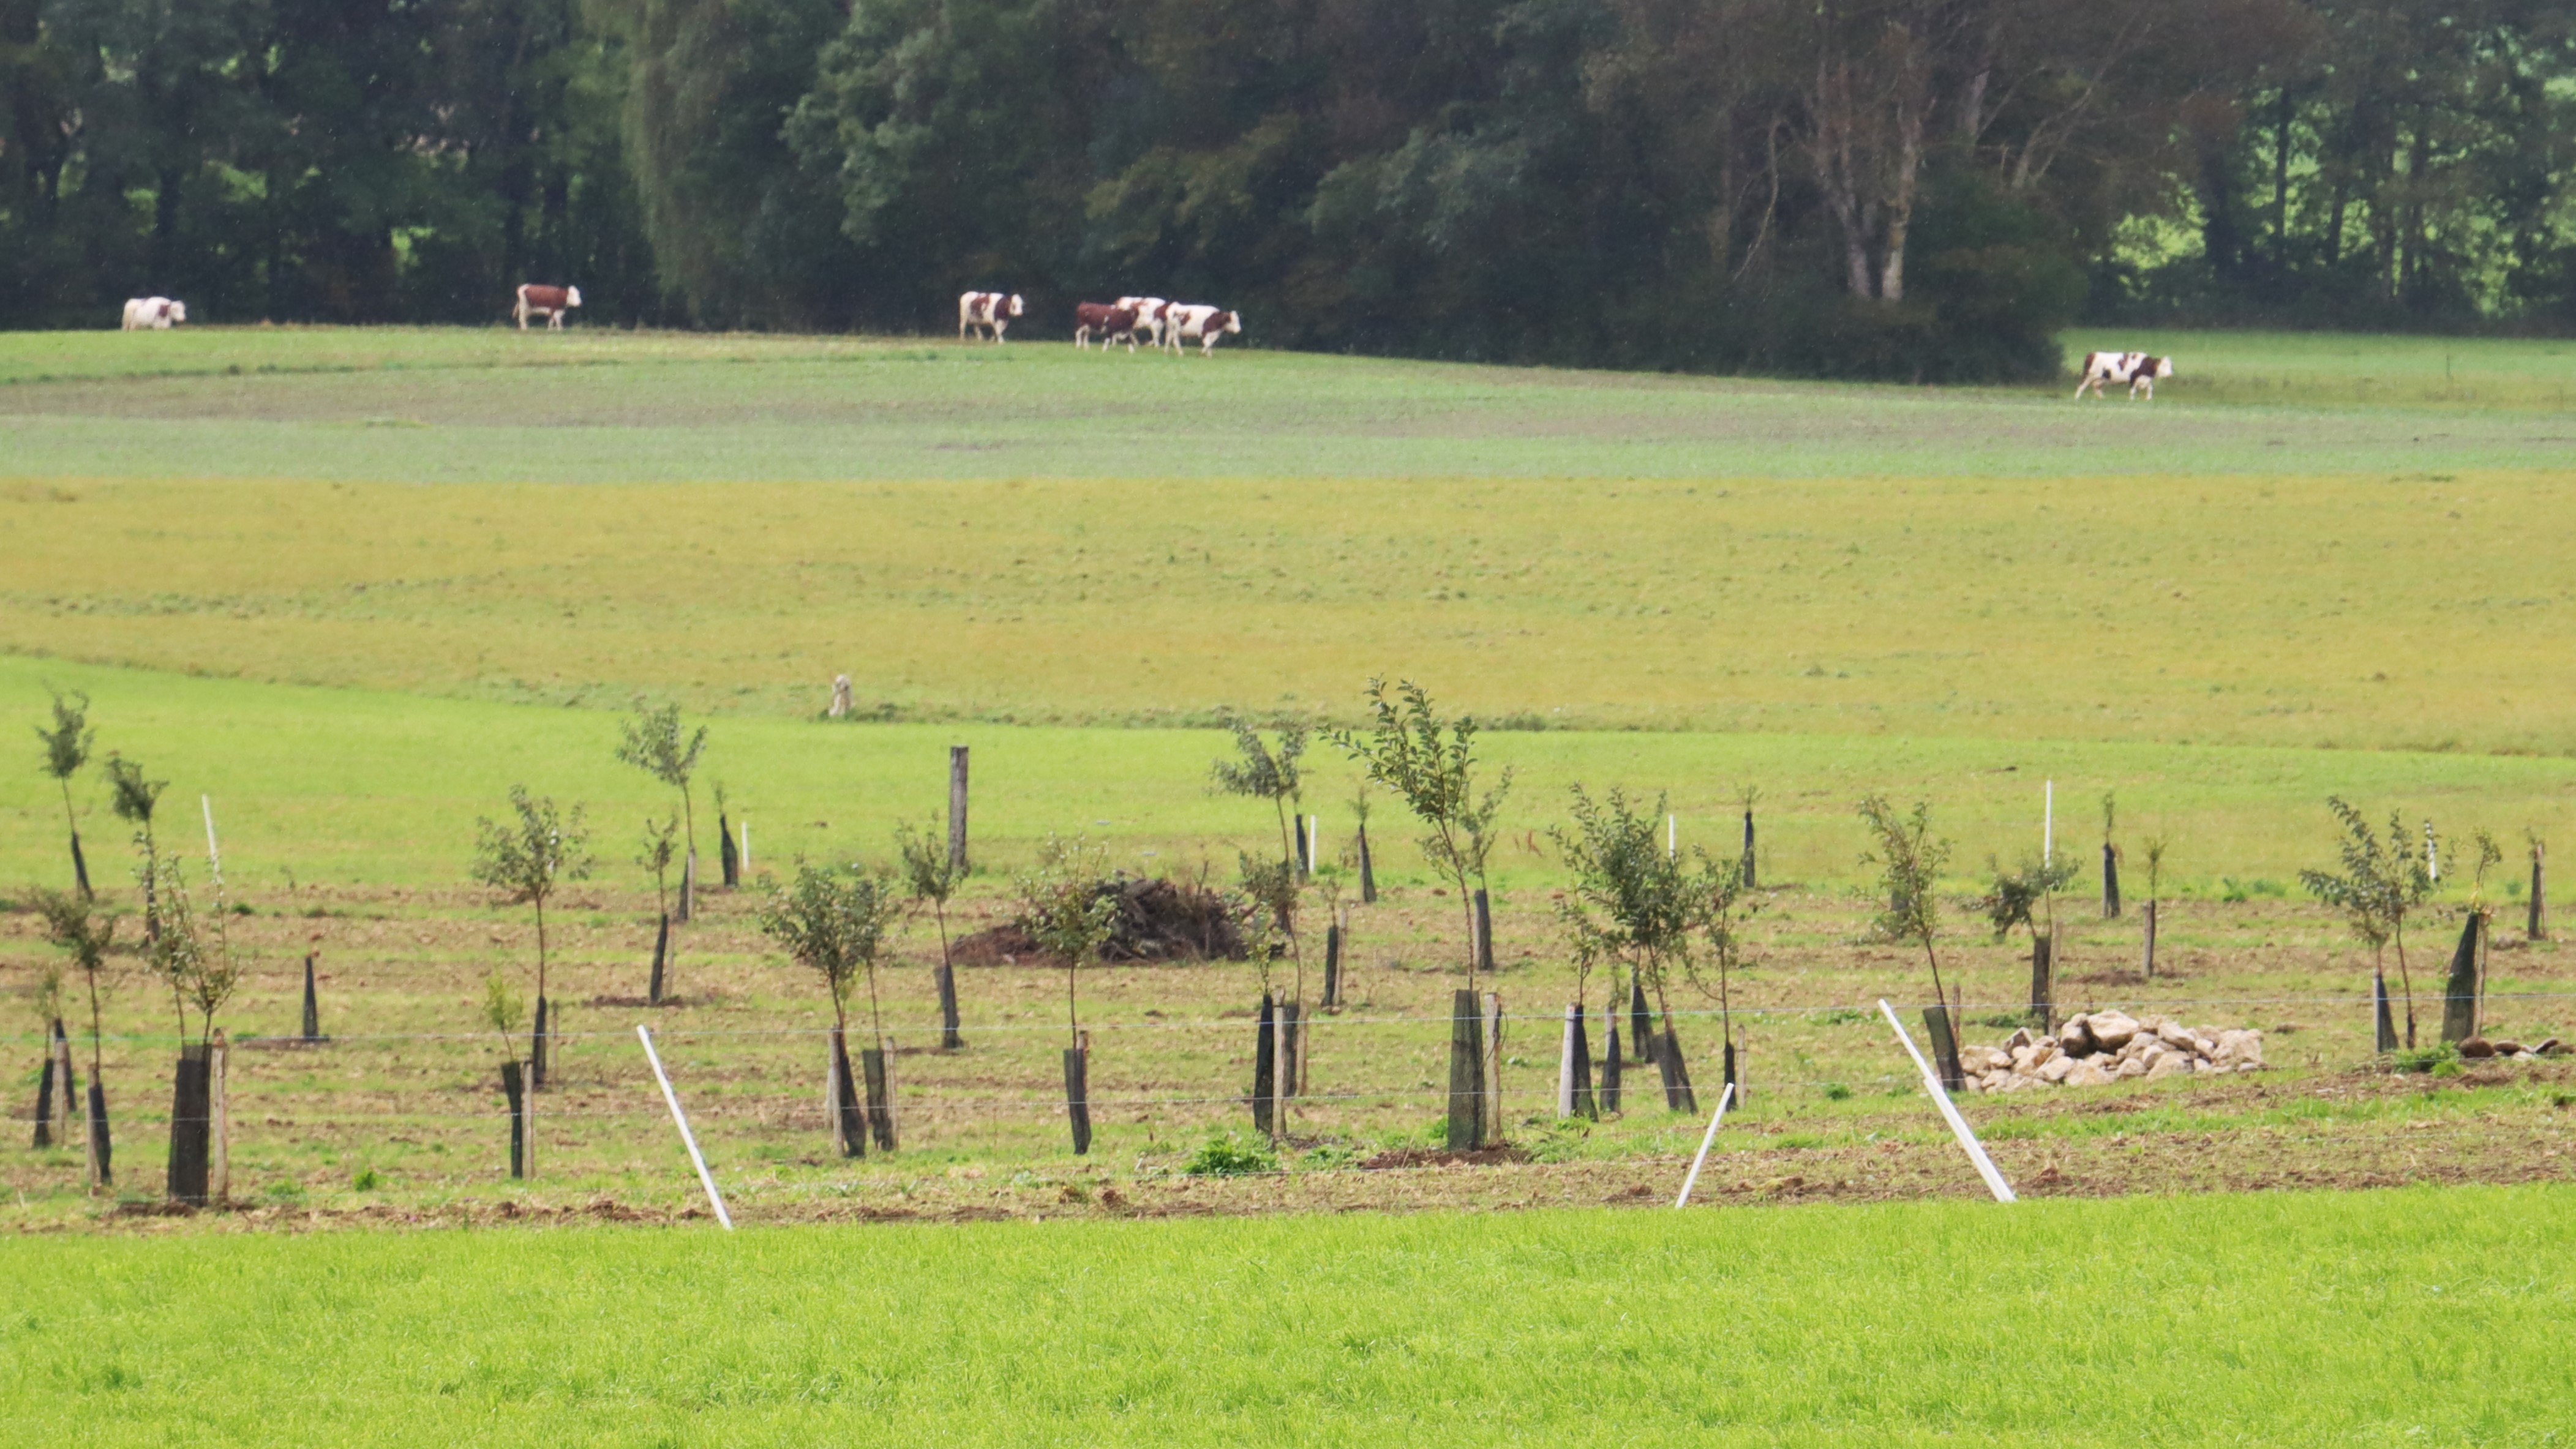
(1149,315)
(2137,369)
(1201,324)
(153,314)
(536,299)
(986,311)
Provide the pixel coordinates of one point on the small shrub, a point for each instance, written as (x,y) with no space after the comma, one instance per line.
(1841,1016)
(1328,1157)
(1837,1092)
(1230,1156)
(2005,1019)
(367,1180)
(2427,1059)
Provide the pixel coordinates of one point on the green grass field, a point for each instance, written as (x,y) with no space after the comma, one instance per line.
(2286,1319)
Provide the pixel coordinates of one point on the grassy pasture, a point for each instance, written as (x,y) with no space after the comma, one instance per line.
(449,405)
(2392,1317)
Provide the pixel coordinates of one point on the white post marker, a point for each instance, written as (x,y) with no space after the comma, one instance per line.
(1707,1138)
(1314,843)
(2047,829)
(214,857)
(706,1179)
(1958,1125)
(746,847)
(1672,837)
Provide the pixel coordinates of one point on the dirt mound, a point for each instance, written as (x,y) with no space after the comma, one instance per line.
(1156,919)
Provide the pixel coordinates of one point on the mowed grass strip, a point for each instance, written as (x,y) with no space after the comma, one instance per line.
(449,405)
(357,786)
(2388,1317)
(2390,611)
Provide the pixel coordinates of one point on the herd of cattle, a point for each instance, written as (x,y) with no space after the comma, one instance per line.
(1165,325)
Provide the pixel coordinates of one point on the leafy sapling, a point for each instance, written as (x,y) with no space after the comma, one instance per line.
(2380,884)
(832,921)
(67,748)
(193,958)
(653,741)
(529,856)
(86,931)
(1909,858)
(1066,912)
(660,847)
(1431,766)
(931,876)
(134,798)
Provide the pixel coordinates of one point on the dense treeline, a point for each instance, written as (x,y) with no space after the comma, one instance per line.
(1912,188)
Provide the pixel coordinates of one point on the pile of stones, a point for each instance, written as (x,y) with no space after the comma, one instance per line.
(2109,1046)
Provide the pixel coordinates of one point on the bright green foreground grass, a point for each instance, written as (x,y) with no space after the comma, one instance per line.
(449,405)
(361,786)
(2394,1318)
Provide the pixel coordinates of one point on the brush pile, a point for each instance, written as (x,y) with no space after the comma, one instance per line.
(2110,1046)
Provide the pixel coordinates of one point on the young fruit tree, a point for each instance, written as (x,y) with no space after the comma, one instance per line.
(528,857)
(1632,905)
(931,876)
(2381,883)
(194,958)
(832,921)
(134,798)
(505,1010)
(1431,766)
(1064,910)
(2155,848)
(1261,772)
(45,1002)
(86,931)
(67,747)
(2027,897)
(661,844)
(1909,858)
(2465,991)
(652,741)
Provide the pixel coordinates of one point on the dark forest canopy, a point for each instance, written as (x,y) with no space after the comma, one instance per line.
(1906,188)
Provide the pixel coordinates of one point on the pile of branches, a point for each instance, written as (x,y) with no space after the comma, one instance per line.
(1155,919)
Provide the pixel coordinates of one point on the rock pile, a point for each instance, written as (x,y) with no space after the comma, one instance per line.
(2108,1046)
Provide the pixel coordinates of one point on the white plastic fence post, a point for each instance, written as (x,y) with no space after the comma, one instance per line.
(214,857)
(2047,829)
(706,1179)
(1723,1097)
(1958,1125)
(1672,837)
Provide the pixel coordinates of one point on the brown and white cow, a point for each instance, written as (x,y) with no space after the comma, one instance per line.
(153,314)
(1149,315)
(539,300)
(986,311)
(1107,322)
(2137,369)
(1200,324)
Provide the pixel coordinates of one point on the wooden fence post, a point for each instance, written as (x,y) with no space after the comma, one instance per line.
(2460,995)
(513,1089)
(1489,1111)
(1748,848)
(1565,1065)
(2110,882)
(1368,876)
(312,1003)
(949,1040)
(1466,1071)
(1265,1070)
(661,955)
(1077,1091)
(2043,980)
(1611,1064)
(2150,954)
(1484,933)
(872,1064)
(219,1122)
(188,1124)
(688,885)
(957,807)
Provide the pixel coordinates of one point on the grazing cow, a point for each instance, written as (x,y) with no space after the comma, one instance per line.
(1149,315)
(153,314)
(551,303)
(1200,324)
(2136,369)
(1101,320)
(986,311)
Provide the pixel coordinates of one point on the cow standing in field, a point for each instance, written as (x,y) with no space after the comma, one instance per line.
(2137,369)
(551,303)
(1200,324)
(979,312)
(1149,315)
(1104,321)
(153,314)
